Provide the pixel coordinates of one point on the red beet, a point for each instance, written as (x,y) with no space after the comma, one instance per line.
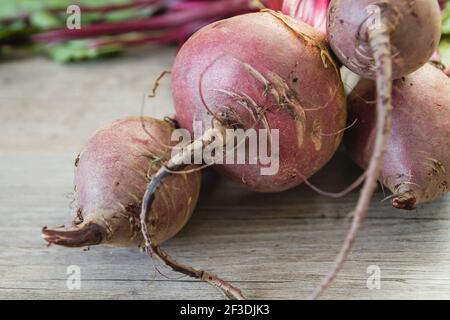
(417,164)
(380,40)
(258,71)
(111,174)
(414,33)
(268,67)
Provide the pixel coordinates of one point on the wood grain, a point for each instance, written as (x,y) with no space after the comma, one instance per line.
(275,246)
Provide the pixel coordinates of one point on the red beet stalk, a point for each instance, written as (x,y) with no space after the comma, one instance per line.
(169,20)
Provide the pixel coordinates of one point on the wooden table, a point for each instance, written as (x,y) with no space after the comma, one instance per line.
(275,246)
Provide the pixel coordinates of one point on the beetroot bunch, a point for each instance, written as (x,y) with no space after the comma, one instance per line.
(268,72)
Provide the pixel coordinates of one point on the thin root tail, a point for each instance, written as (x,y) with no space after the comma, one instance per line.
(379,39)
(151,246)
(86,235)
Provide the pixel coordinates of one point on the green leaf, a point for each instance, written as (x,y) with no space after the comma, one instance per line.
(446,20)
(444,49)
(91,17)
(127,14)
(77,50)
(19,51)
(45,20)
(11,30)
(11,8)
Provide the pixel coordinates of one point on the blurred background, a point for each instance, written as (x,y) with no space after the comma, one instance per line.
(96,58)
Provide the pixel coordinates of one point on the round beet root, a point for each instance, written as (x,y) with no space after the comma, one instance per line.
(264,71)
(414,33)
(382,40)
(417,163)
(111,175)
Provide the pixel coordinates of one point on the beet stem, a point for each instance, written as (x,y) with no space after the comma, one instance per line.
(176,163)
(177,34)
(379,39)
(168,20)
(86,235)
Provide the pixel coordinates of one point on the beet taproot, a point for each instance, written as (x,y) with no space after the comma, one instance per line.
(417,163)
(111,175)
(413,28)
(264,70)
(381,40)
